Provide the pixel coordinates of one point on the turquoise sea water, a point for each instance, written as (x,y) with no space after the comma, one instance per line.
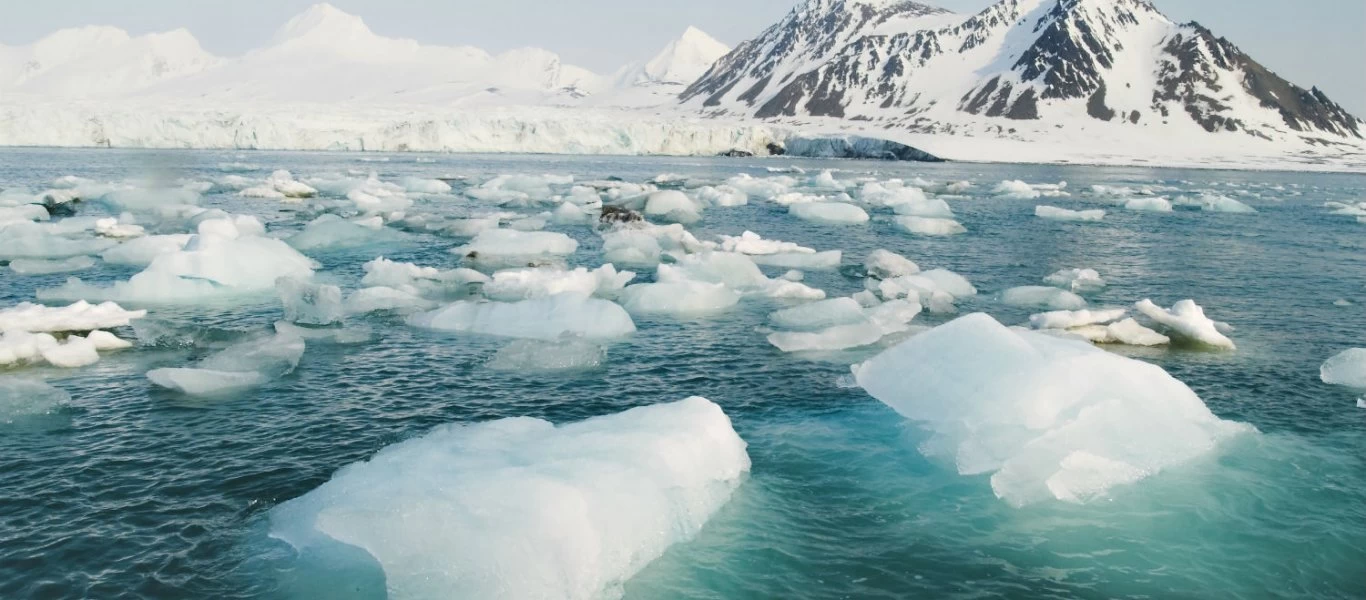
(137,492)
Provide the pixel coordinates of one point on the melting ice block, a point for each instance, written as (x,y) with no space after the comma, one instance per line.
(520,508)
(930,227)
(1037,296)
(1347,369)
(21,398)
(541,319)
(1062,214)
(1186,320)
(241,366)
(80,316)
(829,213)
(1048,418)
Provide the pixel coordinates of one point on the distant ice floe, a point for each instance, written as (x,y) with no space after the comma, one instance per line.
(1054,213)
(929,226)
(1215,203)
(39,266)
(237,368)
(1049,419)
(521,508)
(1148,205)
(1019,190)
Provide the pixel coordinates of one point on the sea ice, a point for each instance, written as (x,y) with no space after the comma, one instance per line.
(1346,369)
(1078,281)
(309,303)
(539,356)
(875,323)
(516,244)
(679,298)
(142,251)
(829,213)
(23,398)
(236,368)
(884,264)
(1035,296)
(1216,203)
(929,227)
(29,240)
(753,244)
(541,318)
(73,353)
(520,508)
(418,185)
(1149,205)
(524,284)
(1062,214)
(39,266)
(721,196)
(79,316)
(818,315)
(1187,321)
(673,206)
(331,232)
(1049,418)
(1069,319)
(820,261)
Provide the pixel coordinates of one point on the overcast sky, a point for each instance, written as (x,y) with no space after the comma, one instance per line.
(1310,42)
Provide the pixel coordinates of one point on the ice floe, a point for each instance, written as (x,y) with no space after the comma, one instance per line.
(1062,214)
(541,318)
(1035,296)
(524,284)
(929,226)
(1079,281)
(539,356)
(520,508)
(829,213)
(77,317)
(1187,322)
(1048,418)
(239,367)
(1347,368)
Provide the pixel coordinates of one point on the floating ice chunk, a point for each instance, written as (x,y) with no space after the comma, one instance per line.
(114,228)
(80,316)
(310,303)
(520,508)
(1016,190)
(536,356)
(331,232)
(673,205)
(736,271)
(1187,321)
(721,196)
(826,181)
(818,315)
(792,198)
(680,298)
(801,260)
(383,272)
(142,251)
(38,266)
(329,335)
(532,223)
(1346,369)
(1148,205)
(524,284)
(767,187)
(785,289)
(1216,203)
(26,398)
(949,282)
(149,200)
(929,227)
(753,244)
(874,324)
(884,264)
(105,341)
(383,298)
(937,209)
(228,258)
(1034,296)
(1130,332)
(1068,319)
(24,213)
(418,185)
(236,368)
(73,353)
(1062,214)
(1076,280)
(568,213)
(264,192)
(1049,418)
(283,182)
(631,247)
(541,318)
(829,213)
(511,243)
(28,240)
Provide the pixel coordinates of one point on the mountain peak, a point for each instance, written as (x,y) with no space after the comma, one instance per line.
(322,21)
(681,62)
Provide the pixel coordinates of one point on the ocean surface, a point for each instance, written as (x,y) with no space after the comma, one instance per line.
(132,491)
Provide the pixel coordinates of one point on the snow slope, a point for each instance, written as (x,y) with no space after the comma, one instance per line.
(680,63)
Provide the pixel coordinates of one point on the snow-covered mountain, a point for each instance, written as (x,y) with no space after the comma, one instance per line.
(100,61)
(1019,68)
(680,63)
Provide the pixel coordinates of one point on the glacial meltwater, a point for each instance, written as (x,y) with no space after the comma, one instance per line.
(297,419)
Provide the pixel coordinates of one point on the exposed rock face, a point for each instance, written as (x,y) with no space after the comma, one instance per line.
(913,66)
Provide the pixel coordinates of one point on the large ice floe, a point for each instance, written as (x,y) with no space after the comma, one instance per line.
(520,508)
(1048,418)
(227,258)
(239,367)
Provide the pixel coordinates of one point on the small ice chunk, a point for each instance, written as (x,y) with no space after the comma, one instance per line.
(1062,214)
(113,228)
(1076,280)
(75,352)
(38,266)
(541,318)
(1186,320)
(142,251)
(753,244)
(884,264)
(680,298)
(520,508)
(1216,203)
(283,182)
(1068,319)
(418,185)
(829,213)
(1346,369)
(383,298)
(310,303)
(236,368)
(537,356)
(105,341)
(79,316)
(1035,296)
(818,315)
(205,382)
(524,284)
(331,232)
(721,196)
(673,206)
(1153,204)
(930,227)
(935,209)
(820,261)
(1016,190)
(512,243)
(875,323)
(568,213)
(1130,332)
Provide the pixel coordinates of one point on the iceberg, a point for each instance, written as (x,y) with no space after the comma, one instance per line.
(518,244)
(539,319)
(1049,419)
(520,508)
(874,324)
(331,232)
(818,315)
(673,206)
(884,264)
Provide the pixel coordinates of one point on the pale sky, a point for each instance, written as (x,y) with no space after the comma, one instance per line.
(1309,42)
